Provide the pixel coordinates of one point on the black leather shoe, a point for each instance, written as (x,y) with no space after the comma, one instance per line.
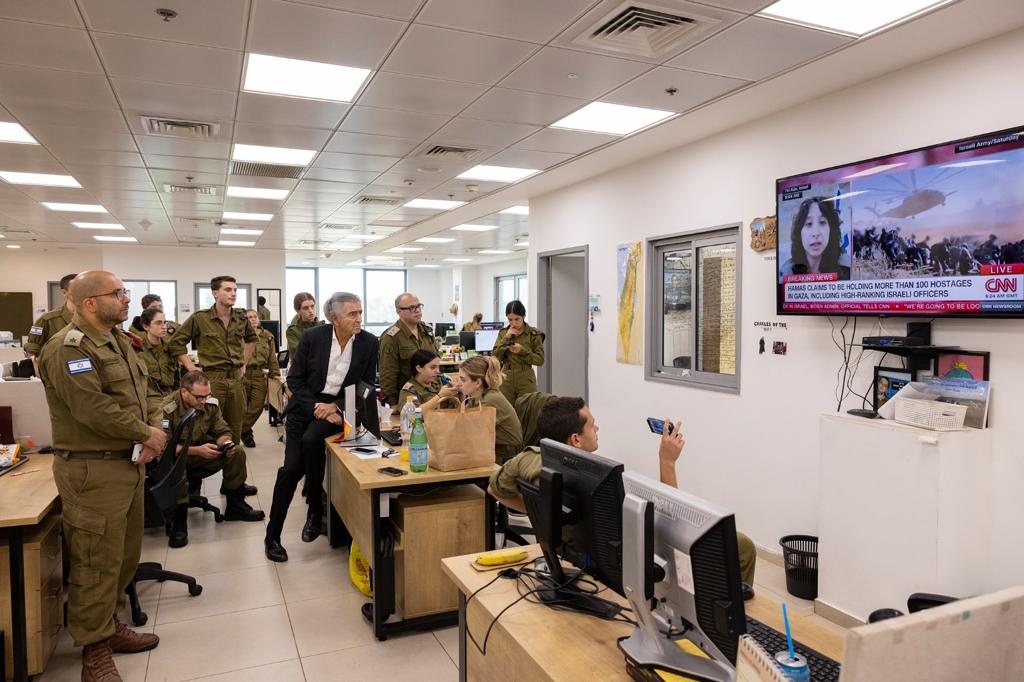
(274,550)
(248,441)
(312,530)
(239,510)
(748,591)
(245,489)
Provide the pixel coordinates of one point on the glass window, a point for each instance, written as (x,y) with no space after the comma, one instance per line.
(695,308)
(508,288)
(204,296)
(166,290)
(382,287)
(331,280)
(296,280)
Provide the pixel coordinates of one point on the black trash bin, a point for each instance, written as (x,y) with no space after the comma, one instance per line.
(800,559)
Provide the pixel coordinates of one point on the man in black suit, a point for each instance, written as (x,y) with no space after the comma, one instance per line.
(328,358)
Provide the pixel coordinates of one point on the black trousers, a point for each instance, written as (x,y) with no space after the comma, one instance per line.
(304,455)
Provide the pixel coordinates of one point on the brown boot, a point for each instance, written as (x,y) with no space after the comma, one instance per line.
(98,663)
(127,641)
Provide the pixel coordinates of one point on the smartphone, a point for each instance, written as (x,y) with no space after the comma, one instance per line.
(363,451)
(225,446)
(444,380)
(658,425)
(392,471)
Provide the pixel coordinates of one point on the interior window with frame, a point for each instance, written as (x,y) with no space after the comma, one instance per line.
(693,309)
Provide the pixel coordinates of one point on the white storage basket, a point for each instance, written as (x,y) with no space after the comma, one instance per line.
(930,414)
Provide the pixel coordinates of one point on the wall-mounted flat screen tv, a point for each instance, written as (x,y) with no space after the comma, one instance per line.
(934,232)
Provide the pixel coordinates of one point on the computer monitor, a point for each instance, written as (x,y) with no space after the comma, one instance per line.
(443,329)
(274,327)
(451,340)
(699,594)
(492,325)
(467,340)
(485,339)
(360,410)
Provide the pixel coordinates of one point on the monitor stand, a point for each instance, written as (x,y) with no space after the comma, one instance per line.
(363,438)
(569,596)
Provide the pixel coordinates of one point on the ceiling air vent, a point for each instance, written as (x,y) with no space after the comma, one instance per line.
(196,241)
(266,170)
(338,227)
(640,29)
(196,221)
(169,127)
(369,200)
(443,151)
(208,190)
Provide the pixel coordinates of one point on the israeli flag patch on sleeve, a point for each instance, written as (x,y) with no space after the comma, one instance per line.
(38,331)
(79,366)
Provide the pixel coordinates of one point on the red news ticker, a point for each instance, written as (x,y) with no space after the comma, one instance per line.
(812,277)
(886,306)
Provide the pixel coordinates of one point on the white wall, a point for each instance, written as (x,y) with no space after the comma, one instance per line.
(32,266)
(478,287)
(433,287)
(757,452)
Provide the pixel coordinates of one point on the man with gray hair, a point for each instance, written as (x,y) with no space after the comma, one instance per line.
(328,358)
(398,343)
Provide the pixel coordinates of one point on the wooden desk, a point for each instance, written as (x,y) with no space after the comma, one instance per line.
(533,642)
(27,494)
(360,498)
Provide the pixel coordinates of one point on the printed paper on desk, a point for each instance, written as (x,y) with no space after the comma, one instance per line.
(684,570)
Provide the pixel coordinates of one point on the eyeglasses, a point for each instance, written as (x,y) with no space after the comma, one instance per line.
(413,308)
(200,397)
(120,294)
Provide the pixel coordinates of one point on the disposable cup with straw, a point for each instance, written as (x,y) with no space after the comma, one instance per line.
(792,664)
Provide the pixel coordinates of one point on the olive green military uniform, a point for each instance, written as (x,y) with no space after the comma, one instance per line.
(397,344)
(471,327)
(262,366)
(163,369)
(527,465)
(420,393)
(221,354)
(48,324)
(263,312)
(528,407)
(97,389)
(294,331)
(508,434)
(520,377)
(208,427)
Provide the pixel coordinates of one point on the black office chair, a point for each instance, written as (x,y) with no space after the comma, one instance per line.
(196,500)
(165,485)
(919,601)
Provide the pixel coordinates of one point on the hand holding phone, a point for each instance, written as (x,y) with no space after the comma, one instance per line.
(392,471)
(658,426)
(226,447)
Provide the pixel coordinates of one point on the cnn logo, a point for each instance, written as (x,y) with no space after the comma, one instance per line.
(1001,284)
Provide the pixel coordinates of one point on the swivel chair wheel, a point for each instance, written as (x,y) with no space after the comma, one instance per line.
(140,620)
(195,590)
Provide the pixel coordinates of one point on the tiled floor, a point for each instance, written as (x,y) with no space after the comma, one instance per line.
(257,621)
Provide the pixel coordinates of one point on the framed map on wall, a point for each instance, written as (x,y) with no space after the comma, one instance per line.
(629,344)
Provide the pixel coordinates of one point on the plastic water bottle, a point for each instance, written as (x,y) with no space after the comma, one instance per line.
(406,416)
(418,457)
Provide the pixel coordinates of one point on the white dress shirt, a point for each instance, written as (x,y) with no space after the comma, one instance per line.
(337,365)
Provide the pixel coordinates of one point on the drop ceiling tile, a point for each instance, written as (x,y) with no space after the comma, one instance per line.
(102,183)
(155,60)
(199,22)
(251,205)
(536,21)
(358,143)
(85,172)
(26,158)
(45,113)
(164,99)
(320,34)
(281,136)
(692,88)
(746,6)
(47,47)
(521,158)
(517,106)
(411,93)
(431,170)
(103,158)
(64,86)
(477,133)
(556,71)
(186,163)
(359,162)
(391,122)
(335,175)
(295,111)
(319,188)
(60,12)
(564,141)
(172,177)
(59,139)
(420,182)
(169,146)
(756,48)
(395,9)
(455,55)
(59,194)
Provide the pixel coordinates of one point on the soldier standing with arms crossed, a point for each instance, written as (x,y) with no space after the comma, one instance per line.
(225,341)
(96,389)
(398,343)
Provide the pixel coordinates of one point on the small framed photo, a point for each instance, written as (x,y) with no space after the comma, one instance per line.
(962,364)
(888,382)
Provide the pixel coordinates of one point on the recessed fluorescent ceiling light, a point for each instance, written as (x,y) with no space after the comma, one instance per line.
(498,173)
(108,238)
(40,179)
(273,155)
(522,243)
(231,215)
(13,132)
(74,208)
(612,119)
(99,226)
(976,162)
(873,171)
(855,17)
(402,249)
(230,242)
(517,210)
(474,228)
(492,252)
(457,260)
(257,193)
(364,237)
(383,259)
(435,240)
(439,204)
(14,246)
(426,265)
(299,78)
(238,230)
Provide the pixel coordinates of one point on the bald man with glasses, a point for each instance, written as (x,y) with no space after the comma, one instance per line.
(398,343)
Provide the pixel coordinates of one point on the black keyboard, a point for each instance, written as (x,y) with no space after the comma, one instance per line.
(823,668)
(392,437)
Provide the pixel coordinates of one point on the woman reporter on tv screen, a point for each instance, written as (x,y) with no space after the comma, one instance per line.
(816,239)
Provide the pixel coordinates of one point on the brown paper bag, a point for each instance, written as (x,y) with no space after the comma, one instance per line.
(460,438)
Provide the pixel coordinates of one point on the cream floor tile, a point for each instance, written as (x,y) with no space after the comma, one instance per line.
(217,557)
(202,528)
(320,577)
(154,545)
(330,624)
(418,657)
(305,551)
(285,671)
(228,592)
(149,592)
(449,639)
(221,644)
(66,663)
